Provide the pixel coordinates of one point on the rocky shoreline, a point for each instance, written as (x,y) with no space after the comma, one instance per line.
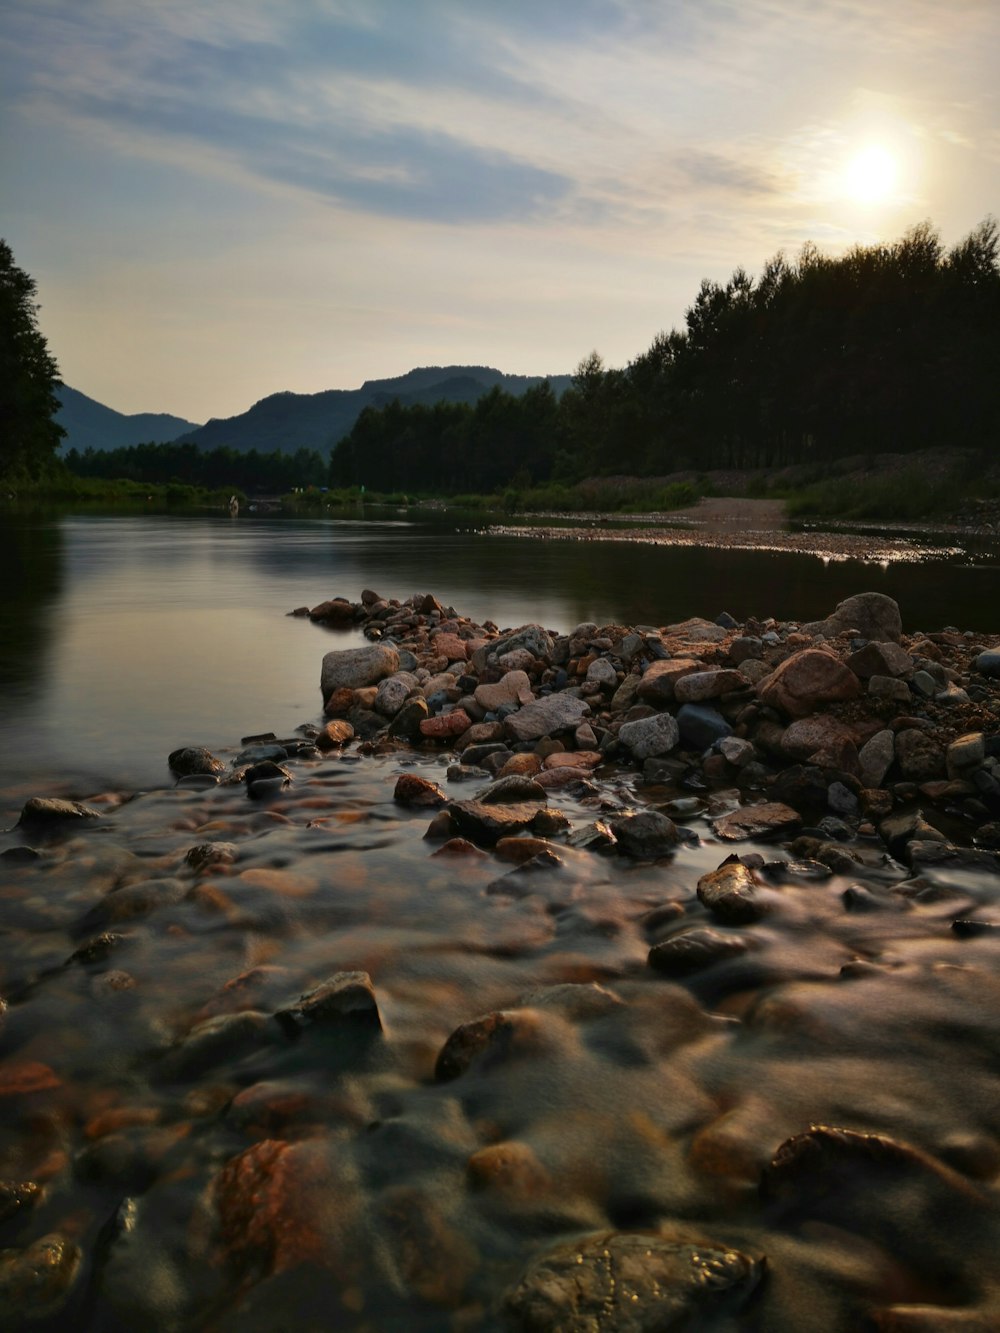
(844,727)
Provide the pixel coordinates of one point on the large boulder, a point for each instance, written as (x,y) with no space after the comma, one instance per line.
(650,736)
(355,668)
(806,680)
(872,615)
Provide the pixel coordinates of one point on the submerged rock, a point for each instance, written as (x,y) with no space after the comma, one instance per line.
(194,759)
(46,811)
(622,1282)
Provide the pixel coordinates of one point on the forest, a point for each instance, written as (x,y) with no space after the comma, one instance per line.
(229,469)
(887,348)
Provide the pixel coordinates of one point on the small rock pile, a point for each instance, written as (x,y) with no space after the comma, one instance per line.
(844,724)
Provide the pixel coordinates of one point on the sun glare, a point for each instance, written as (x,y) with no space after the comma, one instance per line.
(871,175)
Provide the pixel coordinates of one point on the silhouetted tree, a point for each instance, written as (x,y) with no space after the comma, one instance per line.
(29,435)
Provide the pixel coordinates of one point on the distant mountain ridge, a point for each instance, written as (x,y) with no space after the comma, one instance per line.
(285,422)
(90,425)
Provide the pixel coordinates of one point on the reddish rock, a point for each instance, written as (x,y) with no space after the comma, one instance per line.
(411,789)
(336,732)
(584,759)
(730,894)
(807,680)
(657,685)
(20,1077)
(770,819)
(449,646)
(521,765)
(519,850)
(919,756)
(335,612)
(809,734)
(340,701)
(460,847)
(446,726)
(496,1036)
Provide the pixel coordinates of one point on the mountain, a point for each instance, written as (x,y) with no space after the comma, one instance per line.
(90,425)
(286,422)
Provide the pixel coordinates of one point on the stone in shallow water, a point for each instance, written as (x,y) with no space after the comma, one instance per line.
(411,789)
(45,810)
(768,820)
(646,834)
(730,894)
(355,668)
(36,1282)
(694,950)
(621,1282)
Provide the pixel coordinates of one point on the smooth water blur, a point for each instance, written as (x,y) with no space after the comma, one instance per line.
(124,637)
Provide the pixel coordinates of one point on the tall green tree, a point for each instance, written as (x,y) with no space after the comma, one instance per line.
(29,435)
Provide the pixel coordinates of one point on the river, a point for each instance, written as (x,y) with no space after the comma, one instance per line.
(186,1146)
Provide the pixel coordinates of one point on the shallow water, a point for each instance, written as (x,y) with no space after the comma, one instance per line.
(234,1177)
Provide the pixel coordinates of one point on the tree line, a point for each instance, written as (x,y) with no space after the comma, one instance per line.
(888,348)
(271,474)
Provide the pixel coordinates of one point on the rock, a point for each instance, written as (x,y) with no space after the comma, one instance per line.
(988,663)
(507,690)
(446,726)
(659,681)
(888,687)
(208,854)
(807,679)
(344,998)
(532,638)
(336,611)
(340,701)
(194,759)
(918,755)
(898,831)
(546,715)
(745,649)
(965,753)
(37,1282)
(649,736)
(701,726)
(730,894)
(487,824)
(772,819)
(645,835)
(880,659)
(354,668)
(701,685)
(407,722)
(42,812)
(694,951)
(873,615)
(218,1041)
(393,692)
(736,751)
(450,646)
(508,790)
(17,1196)
(875,758)
(630,1282)
(696,630)
(807,735)
(335,733)
(266,777)
(413,790)
(493,1037)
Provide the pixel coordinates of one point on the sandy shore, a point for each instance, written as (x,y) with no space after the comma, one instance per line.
(740,522)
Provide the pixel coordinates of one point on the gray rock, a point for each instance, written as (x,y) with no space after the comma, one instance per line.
(355,668)
(649,736)
(888,687)
(515,787)
(875,758)
(872,614)
(533,638)
(925,684)
(544,716)
(702,685)
(965,753)
(393,693)
(880,659)
(646,834)
(602,672)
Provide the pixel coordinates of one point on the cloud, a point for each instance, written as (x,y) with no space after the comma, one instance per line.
(715,170)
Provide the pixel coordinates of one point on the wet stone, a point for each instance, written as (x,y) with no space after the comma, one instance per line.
(645,835)
(413,790)
(16,1196)
(694,951)
(37,1282)
(44,811)
(622,1282)
(345,997)
(771,819)
(208,854)
(511,789)
(489,823)
(193,760)
(491,1038)
(730,894)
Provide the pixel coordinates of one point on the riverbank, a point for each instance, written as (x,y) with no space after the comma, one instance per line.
(455,1009)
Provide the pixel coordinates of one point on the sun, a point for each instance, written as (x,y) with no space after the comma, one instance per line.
(870,176)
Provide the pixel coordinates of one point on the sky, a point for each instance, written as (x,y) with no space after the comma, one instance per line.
(222,199)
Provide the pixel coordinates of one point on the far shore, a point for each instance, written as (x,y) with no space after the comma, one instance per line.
(739,522)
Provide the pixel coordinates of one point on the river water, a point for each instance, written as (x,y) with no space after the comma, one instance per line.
(195,1167)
